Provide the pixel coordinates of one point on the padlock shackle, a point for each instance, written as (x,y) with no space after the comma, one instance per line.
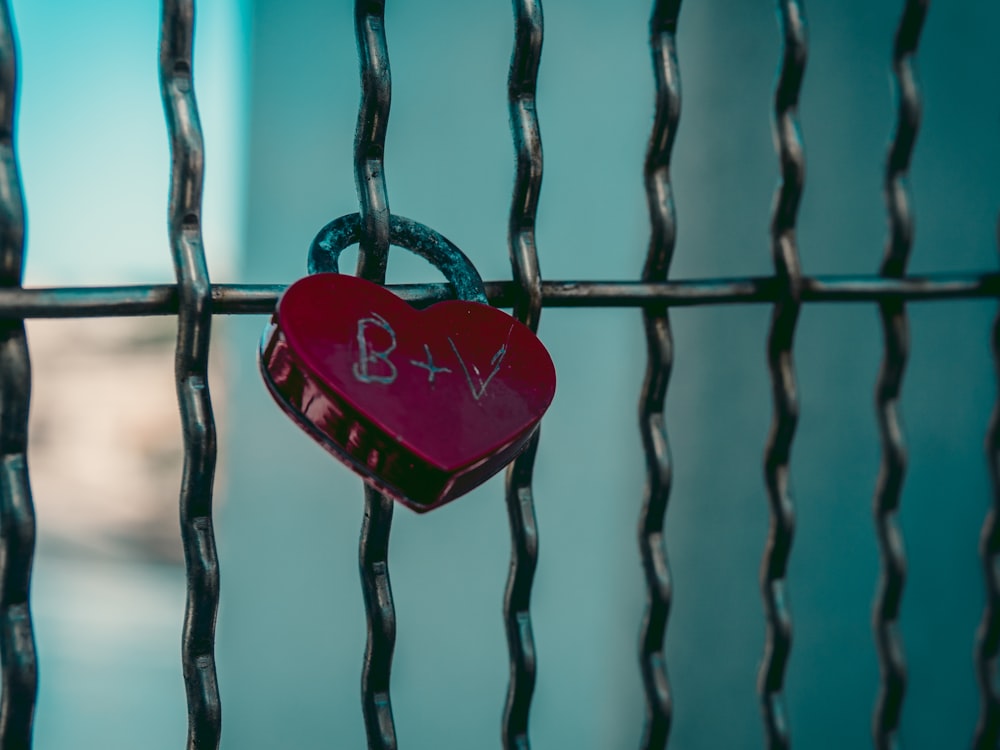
(339,234)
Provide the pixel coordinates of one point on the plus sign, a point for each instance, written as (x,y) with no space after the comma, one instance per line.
(429,365)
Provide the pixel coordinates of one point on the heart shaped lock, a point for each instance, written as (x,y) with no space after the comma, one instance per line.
(424,404)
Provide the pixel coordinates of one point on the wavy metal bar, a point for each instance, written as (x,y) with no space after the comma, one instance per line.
(373,199)
(381,615)
(17,512)
(191,369)
(517,599)
(892,663)
(521,88)
(369,138)
(987,735)
(778,639)
(660,352)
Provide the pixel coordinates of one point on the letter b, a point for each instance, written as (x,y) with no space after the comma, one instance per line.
(370,358)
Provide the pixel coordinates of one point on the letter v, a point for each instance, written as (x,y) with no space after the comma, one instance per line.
(496,361)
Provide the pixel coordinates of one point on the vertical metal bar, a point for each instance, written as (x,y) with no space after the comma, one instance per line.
(778,638)
(660,354)
(521,89)
(987,736)
(17,512)
(373,197)
(381,618)
(191,370)
(892,663)
(369,138)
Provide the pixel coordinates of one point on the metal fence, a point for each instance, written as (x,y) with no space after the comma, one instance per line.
(194,300)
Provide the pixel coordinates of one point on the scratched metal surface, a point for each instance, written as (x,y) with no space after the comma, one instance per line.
(788,290)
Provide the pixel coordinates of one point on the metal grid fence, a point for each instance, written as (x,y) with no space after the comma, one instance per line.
(194,300)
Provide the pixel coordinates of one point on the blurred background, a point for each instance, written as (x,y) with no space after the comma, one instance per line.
(277,84)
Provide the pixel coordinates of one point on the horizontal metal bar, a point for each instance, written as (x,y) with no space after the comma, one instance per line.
(259,299)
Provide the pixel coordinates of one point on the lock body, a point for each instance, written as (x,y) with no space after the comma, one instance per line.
(424,404)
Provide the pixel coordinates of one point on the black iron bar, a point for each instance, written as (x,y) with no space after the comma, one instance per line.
(373,200)
(527,304)
(896,336)
(17,512)
(144,300)
(987,649)
(780,360)
(658,697)
(194,300)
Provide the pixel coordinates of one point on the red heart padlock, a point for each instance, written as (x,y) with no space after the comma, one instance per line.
(423,404)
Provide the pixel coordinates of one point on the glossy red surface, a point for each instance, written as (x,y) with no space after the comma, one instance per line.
(423,404)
